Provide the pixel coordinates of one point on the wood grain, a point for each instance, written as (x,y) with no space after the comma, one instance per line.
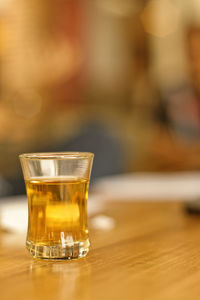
(152,253)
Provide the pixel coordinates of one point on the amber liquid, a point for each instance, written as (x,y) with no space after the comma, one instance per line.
(57,217)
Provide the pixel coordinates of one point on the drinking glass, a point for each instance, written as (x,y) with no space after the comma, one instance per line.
(57,190)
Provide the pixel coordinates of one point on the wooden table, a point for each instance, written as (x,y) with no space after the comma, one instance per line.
(152,253)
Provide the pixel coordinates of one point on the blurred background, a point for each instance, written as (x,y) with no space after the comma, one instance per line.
(117,78)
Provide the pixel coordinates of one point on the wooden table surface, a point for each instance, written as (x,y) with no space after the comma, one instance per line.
(152,253)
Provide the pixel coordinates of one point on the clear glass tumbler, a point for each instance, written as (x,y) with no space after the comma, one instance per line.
(57,191)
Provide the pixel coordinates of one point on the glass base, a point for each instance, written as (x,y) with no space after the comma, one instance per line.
(57,252)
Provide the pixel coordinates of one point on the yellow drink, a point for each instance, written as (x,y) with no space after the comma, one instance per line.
(57,217)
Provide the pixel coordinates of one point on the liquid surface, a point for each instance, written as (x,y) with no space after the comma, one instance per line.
(57,211)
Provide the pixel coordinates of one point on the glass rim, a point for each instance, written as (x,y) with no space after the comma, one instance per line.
(56,155)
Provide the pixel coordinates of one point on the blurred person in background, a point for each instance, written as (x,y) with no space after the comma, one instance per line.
(177,146)
(40,74)
(42,105)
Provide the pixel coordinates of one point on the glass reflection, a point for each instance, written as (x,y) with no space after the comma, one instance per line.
(61,280)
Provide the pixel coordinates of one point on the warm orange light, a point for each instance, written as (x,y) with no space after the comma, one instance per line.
(160,18)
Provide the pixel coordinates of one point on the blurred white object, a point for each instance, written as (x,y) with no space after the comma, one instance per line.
(14,212)
(127,187)
(103,222)
(149,186)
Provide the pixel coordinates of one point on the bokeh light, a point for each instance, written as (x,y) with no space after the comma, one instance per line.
(160,18)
